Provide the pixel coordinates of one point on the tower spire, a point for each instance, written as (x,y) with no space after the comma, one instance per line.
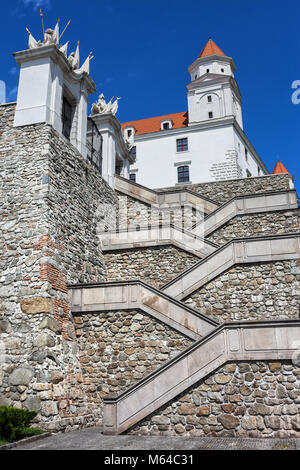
(211,48)
(279,168)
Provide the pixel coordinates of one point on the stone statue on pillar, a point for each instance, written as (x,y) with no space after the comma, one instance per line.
(52,37)
(101,107)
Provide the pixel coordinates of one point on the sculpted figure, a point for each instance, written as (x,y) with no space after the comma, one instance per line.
(73,58)
(114,106)
(101,107)
(48,37)
(51,36)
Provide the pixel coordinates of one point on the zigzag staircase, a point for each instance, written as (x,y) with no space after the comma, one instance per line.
(213,344)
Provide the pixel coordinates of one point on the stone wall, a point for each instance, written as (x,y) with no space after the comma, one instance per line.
(222,191)
(250,225)
(133,213)
(255,399)
(48,238)
(265,291)
(119,348)
(154,265)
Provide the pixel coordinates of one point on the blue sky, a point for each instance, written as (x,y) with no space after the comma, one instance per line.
(142,50)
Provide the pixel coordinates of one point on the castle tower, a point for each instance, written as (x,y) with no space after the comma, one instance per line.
(213,92)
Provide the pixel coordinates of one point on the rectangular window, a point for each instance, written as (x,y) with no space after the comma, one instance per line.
(246,155)
(209,99)
(248,174)
(210,115)
(258,171)
(132,177)
(133,151)
(66,118)
(182,145)
(183,174)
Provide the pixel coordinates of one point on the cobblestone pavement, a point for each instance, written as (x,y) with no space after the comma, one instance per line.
(93,439)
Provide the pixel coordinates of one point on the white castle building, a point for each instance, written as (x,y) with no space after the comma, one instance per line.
(207,142)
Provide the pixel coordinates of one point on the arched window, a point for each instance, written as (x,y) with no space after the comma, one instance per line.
(166,124)
(183,174)
(128,132)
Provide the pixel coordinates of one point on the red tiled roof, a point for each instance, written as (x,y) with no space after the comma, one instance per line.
(146,126)
(279,168)
(211,48)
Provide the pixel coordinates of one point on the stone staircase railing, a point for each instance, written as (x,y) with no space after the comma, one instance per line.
(155,236)
(193,240)
(237,251)
(248,204)
(230,342)
(164,199)
(132,295)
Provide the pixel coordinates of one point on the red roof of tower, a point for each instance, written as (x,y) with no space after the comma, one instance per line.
(279,168)
(211,48)
(146,126)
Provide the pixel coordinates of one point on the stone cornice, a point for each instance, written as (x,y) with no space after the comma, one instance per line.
(225,80)
(212,58)
(59,58)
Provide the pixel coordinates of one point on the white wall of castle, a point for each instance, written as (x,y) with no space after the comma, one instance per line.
(214,153)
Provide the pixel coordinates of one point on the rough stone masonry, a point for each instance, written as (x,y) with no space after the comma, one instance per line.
(63,365)
(49,198)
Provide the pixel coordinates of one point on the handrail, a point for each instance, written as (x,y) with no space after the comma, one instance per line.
(136,294)
(235,256)
(262,202)
(156,194)
(255,340)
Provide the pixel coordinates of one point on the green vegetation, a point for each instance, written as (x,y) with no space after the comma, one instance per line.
(14,424)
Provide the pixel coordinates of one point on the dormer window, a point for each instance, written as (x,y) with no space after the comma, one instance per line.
(129,132)
(166,124)
(133,151)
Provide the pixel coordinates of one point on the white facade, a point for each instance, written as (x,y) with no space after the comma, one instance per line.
(214,147)
(116,157)
(51,91)
(46,79)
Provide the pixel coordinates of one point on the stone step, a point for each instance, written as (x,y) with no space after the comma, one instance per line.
(132,295)
(193,240)
(230,342)
(164,199)
(237,251)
